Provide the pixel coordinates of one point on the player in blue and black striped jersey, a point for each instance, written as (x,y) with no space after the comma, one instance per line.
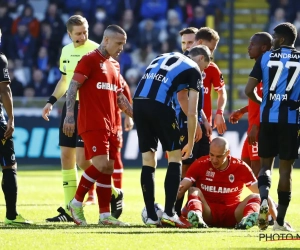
(155,119)
(279,125)
(7,152)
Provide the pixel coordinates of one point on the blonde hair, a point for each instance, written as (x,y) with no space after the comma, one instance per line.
(76,20)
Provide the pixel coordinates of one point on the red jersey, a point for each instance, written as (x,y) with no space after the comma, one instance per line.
(126,92)
(221,186)
(254,109)
(213,76)
(98,93)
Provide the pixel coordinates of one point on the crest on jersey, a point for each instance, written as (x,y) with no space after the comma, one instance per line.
(231,178)
(5,73)
(94,148)
(3,141)
(182,138)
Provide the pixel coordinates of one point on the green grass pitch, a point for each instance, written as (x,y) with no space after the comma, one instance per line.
(40,194)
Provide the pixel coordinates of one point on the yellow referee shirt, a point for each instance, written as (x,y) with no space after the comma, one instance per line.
(70,57)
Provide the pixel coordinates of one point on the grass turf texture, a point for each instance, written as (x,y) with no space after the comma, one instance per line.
(40,194)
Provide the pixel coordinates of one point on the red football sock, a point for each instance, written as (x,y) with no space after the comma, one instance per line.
(118,171)
(194,203)
(88,179)
(92,191)
(252,206)
(104,192)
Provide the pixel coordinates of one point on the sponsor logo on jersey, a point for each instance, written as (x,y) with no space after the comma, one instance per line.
(182,137)
(3,141)
(209,173)
(5,73)
(76,55)
(221,190)
(107,86)
(231,178)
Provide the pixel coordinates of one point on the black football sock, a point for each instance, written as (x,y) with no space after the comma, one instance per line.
(10,189)
(178,204)
(264,184)
(148,185)
(284,199)
(172,182)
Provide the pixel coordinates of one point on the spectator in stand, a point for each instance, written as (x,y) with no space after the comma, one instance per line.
(27,18)
(5,20)
(53,76)
(111,7)
(86,6)
(39,84)
(52,16)
(129,25)
(132,78)
(96,33)
(101,16)
(208,5)
(279,17)
(50,41)
(125,60)
(22,45)
(297,21)
(16,86)
(199,19)
(42,60)
(155,10)
(184,9)
(174,25)
(133,5)
(14,4)
(142,57)
(149,34)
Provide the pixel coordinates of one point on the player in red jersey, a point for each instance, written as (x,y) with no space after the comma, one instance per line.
(213,78)
(219,180)
(259,44)
(128,125)
(100,94)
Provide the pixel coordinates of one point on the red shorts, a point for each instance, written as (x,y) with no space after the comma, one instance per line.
(100,142)
(222,215)
(250,151)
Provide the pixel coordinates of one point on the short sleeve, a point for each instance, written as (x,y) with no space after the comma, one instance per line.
(84,66)
(63,62)
(217,78)
(257,70)
(247,175)
(4,75)
(195,80)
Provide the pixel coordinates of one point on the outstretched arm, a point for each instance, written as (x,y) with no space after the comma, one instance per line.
(124,104)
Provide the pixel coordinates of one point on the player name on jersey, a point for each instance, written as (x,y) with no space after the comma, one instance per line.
(221,190)
(107,86)
(282,55)
(154,76)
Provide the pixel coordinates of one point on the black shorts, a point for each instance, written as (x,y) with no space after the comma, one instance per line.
(278,139)
(75,140)
(7,150)
(155,121)
(201,148)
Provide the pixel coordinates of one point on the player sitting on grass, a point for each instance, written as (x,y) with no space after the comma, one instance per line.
(215,201)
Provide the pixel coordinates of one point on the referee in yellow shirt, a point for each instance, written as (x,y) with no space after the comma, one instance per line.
(72,148)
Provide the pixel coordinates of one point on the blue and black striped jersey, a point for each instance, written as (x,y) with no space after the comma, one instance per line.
(166,75)
(279,72)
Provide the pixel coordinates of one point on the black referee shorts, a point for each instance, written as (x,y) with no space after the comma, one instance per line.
(75,140)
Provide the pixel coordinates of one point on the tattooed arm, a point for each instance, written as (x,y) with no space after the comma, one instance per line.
(69,122)
(124,104)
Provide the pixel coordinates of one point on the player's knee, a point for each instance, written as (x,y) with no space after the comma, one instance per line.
(174,156)
(254,198)
(149,159)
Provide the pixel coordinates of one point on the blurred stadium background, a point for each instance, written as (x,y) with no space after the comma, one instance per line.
(34,32)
